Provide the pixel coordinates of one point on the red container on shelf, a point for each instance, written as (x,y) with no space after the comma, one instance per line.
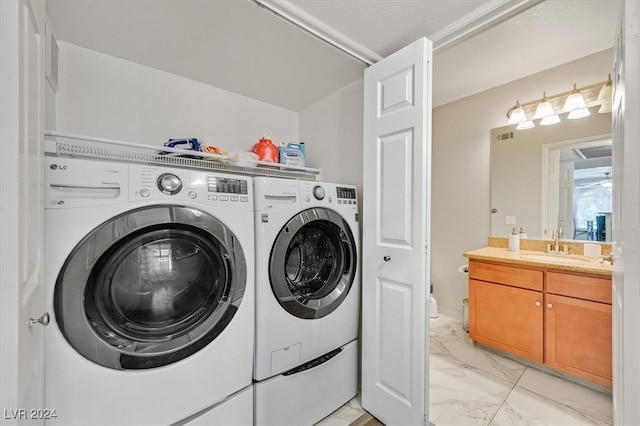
(266,150)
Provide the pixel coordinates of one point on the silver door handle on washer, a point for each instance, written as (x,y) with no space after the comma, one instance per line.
(386,258)
(43,320)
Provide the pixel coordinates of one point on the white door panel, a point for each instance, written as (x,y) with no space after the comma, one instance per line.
(395,189)
(396,197)
(395,339)
(21,214)
(626,217)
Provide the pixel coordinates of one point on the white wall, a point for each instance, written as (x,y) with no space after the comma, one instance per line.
(100,95)
(332,132)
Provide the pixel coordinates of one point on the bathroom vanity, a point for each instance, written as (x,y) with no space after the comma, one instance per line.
(553,310)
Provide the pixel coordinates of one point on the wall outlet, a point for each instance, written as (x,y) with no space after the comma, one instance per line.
(510,220)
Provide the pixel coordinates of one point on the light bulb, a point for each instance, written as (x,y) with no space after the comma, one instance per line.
(525,125)
(517,114)
(550,119)
(605,107)
(544,108)
(574,101)
(579,113)
(606,91)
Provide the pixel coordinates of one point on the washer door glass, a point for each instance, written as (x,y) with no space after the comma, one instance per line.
(150,287)
(312,264)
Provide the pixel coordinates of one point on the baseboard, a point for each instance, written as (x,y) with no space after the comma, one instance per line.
(455,314)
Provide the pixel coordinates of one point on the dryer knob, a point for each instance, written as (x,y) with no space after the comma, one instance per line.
(318,192)
(169,183)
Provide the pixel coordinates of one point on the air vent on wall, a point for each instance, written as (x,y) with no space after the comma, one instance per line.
(594,152)
(52,58)
(505,136)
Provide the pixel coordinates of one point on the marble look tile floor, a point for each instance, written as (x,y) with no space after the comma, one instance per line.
(470,385)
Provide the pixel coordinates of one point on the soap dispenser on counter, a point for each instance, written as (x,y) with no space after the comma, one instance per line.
(523,235)
(514,241)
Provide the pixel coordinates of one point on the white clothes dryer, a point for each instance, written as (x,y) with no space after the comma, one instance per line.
(307,294)
(149,277)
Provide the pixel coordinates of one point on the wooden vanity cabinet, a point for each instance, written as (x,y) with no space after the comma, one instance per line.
(505,308)
(578,326)
(560,319)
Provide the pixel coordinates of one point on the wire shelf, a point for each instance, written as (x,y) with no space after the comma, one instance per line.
(71,145)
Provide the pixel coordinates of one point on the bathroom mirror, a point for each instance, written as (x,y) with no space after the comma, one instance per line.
(551,176)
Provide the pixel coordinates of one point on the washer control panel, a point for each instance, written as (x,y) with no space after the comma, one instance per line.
(227,185)
(170,184)
(75,182)
(158,183)
(318,192)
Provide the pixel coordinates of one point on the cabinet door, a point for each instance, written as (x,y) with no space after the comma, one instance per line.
(506,318)
(578,338)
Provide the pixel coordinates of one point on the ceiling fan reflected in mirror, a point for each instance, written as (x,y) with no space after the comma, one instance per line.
(606,182)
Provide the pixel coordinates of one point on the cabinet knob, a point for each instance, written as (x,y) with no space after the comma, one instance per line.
(549,305)
(538,303)
(387,258)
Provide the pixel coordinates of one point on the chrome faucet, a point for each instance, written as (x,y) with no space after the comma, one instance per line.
(557,233)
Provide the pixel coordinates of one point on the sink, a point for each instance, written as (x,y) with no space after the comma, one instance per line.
(555,259)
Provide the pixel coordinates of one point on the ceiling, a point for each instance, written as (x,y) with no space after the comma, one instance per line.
(587,170)
(246,47)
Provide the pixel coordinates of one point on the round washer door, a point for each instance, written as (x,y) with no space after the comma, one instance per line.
(313,263)
(150,287)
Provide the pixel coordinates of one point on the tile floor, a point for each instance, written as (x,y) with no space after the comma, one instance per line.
(470,385)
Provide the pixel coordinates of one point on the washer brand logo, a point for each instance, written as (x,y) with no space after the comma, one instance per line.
(265,218)
(56,167)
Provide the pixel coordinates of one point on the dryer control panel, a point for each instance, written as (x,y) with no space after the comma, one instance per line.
(320,193)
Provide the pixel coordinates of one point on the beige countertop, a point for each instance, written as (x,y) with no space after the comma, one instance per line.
(571,263)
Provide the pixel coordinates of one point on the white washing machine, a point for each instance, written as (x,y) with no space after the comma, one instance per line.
(307,299)
(149,279)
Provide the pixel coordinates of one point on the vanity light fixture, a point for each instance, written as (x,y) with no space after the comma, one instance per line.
(576,102)
(550,119)
(517,115)
(544,108)
(579,113)
(525,125)
(605,107)
(605,96)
